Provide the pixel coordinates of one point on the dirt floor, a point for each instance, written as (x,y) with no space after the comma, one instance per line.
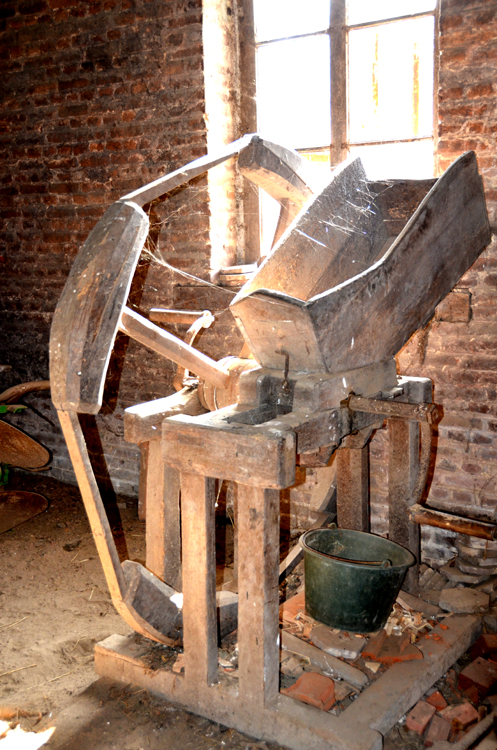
(54,606)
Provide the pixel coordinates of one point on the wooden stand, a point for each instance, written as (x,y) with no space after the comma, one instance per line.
(261,459)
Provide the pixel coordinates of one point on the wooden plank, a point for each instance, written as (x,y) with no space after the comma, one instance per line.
(199,579)
(181,176)
(332,240)
(142,482)
(19,449)
(353,488)
(403,468)
(324,662)
(399,294)
(258,557)
(86,319)
(163,529)
(422,515)
(338,76)
(181,317)
(238,452)
(143,422)
(164,343)
(277,170)
(371,315)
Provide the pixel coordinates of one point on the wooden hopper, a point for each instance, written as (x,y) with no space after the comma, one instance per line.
(363,267)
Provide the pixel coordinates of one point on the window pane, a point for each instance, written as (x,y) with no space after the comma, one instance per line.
(396,161)
(317,168)
(391,80)
(364,11)
(293,92)
(276,19)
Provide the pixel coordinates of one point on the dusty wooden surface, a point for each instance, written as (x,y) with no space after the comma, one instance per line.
(339,329)
(19,449)
(87,315)
(199,579)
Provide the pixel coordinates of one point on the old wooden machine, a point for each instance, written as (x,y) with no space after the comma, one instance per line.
(356,270)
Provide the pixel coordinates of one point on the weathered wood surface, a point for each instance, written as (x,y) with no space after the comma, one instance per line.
(208,445)
(353,488)
(279,172)
(423,515)
(161,606)
(398,200)
(324,662)
(403,468)
(199,579)
(87,316)
(99,523)
(258,599)
(337,236)
(163,527)
(164,343)
(17,391)
(19,449)
(181,317)
(143,422)
(370,315)
(285,164)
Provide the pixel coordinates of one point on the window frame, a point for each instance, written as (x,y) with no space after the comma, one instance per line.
(338,33)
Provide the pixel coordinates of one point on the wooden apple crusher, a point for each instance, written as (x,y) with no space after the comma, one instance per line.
(355,271)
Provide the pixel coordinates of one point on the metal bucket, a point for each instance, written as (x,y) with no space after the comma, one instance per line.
(351,578)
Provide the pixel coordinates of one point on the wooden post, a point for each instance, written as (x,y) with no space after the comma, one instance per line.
(163,528)
(403,467)
(142,486)
(353,488)
(258,629)
(199,579)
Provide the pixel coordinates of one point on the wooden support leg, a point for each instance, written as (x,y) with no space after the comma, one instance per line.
(142,486)
(403,467)
(353,488)
(199,579)
(163,518)
(258,629)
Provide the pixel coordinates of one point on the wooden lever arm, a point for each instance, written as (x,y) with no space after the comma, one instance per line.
(164,343)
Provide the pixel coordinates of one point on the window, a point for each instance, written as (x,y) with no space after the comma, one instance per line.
(340,77)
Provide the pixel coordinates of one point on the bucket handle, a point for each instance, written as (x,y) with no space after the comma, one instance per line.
(376,563)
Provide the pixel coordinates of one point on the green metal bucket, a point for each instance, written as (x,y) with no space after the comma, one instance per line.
(351,578)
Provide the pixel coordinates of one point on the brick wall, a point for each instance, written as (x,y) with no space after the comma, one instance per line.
(461,358)
(98,98)
(102,97)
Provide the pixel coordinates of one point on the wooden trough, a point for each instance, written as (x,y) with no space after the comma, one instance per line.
(357,269)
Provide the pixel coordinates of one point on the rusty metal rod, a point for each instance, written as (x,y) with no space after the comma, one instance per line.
(430,413)
(422,515)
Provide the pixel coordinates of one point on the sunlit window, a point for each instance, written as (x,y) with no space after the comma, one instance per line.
(340,77)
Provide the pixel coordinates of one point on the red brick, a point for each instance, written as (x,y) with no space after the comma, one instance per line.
(438,730)
(486,644)
(418,719)
(480,673)
(314,689)
(436,699)
(461,716)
